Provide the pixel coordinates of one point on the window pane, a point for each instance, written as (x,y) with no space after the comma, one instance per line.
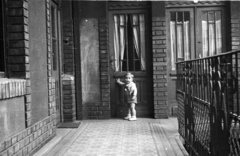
(129,42)
(53,23)
(179,36)
(204,35)
(54,36)
(218,32)
(2,37)
(211,33)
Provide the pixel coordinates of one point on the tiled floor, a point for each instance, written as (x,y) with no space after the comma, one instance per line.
(118,137)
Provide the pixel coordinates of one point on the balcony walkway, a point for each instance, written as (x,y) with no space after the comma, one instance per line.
(116,137)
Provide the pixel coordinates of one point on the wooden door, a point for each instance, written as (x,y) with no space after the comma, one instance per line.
(180,45)
(130,52)
(55,57)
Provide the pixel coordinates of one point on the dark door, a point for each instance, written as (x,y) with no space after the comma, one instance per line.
(130,52)
(55,61)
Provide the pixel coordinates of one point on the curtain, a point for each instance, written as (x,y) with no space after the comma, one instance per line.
(119,40)
(173,44)
(139,50)
(179,40)
(122,37)
(218,37)
(142,39)
(210,39)
(212,48)
(186,41)
(204,40)
(116,43)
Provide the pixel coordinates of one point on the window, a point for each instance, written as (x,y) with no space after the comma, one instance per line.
(129,42)
(54,35)
(2,40)
(195,33)
(211,33)
(180,36)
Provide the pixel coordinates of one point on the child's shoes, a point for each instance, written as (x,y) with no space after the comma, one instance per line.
(133,118)
(127,117)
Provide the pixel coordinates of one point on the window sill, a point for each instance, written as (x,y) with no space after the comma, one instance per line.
(10,88)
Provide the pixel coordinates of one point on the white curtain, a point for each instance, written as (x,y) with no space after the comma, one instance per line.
(204,39)
(173,44)
(211,42)
(177,47)
(218,37)
(119,40)
(212,48)
(139,50)
(179,40)
(116,43)
(186,41)
(122,37)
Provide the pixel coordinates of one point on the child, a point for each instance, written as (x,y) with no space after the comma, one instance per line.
(130,91)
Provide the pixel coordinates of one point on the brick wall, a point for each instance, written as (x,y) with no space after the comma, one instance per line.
(18,47)
(68,51)
(31,139)
(34,136)
(159,67)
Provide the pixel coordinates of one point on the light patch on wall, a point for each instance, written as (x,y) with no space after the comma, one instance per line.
(89,43)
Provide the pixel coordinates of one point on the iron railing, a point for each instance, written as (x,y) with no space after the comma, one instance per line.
(209,110)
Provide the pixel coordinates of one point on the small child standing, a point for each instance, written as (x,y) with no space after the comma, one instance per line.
(130,93)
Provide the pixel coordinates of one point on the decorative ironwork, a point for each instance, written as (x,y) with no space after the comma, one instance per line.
(208,97)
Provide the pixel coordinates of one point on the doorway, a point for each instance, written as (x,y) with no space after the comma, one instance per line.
(130,52)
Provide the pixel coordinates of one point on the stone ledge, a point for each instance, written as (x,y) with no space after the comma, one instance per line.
(10,88)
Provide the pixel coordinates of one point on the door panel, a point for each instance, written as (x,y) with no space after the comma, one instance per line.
(129,43)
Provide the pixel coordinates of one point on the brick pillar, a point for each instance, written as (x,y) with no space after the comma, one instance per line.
(18,48)
(159,67)
(69,102)
(68,50)
(104,108)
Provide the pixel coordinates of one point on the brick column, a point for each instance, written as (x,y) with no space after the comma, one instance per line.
(18,48)
(69,102)
(104,108)
(68,51)
(159,67)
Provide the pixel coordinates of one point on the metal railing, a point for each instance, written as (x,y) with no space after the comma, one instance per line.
(209,110)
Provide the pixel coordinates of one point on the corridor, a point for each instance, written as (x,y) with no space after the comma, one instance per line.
(117,137)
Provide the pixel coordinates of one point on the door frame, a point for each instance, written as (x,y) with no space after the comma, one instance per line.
(148,73)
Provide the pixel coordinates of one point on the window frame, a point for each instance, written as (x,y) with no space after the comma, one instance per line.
(147,33)
(56,39)
(3,38)
(192,35)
